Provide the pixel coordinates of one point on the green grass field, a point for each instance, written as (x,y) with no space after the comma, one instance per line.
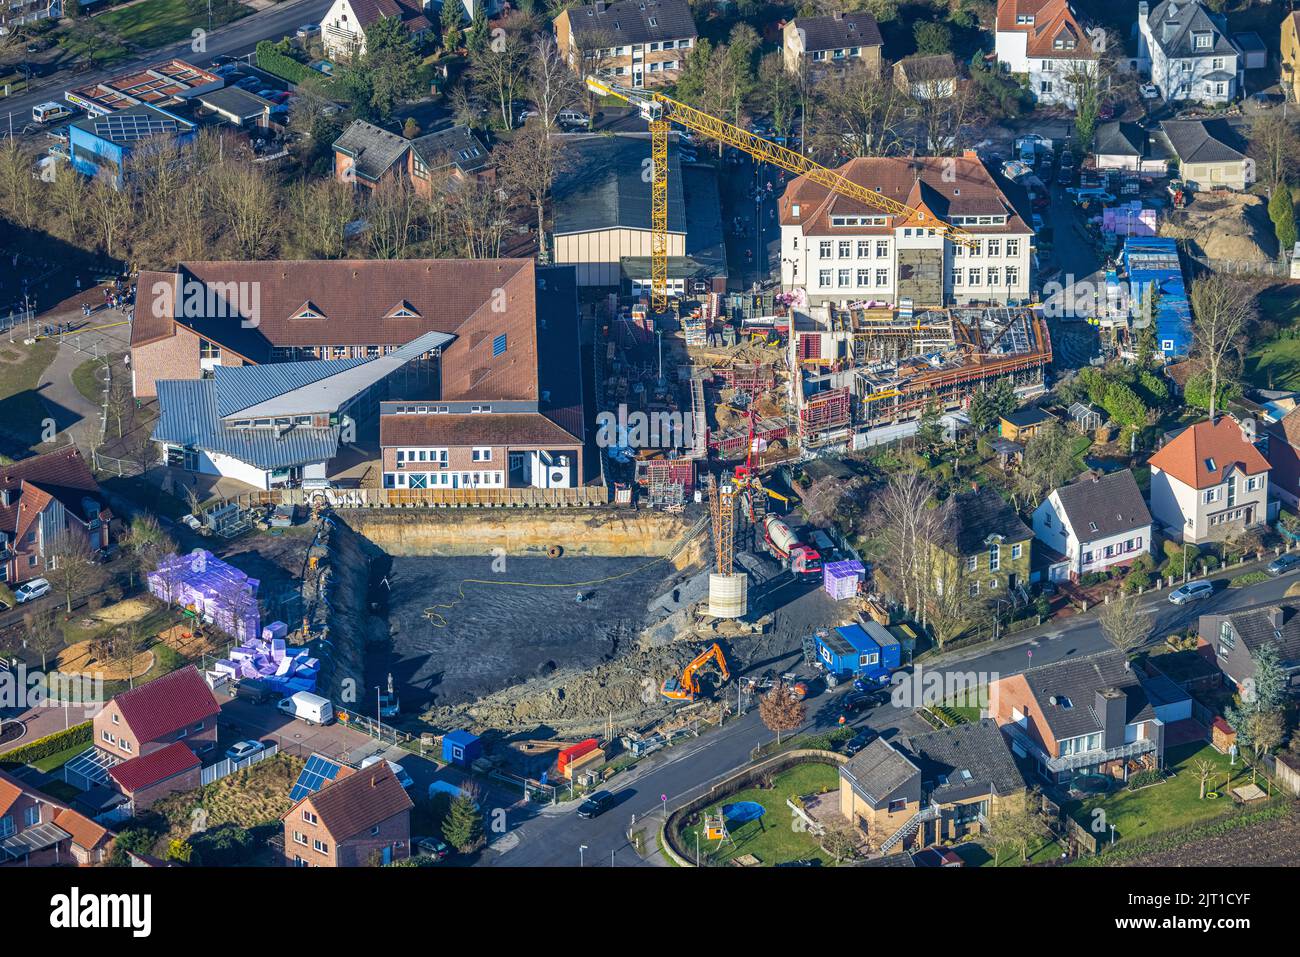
(771,838)
(1173,804)
(156,23)
(21,410)
(1275,364)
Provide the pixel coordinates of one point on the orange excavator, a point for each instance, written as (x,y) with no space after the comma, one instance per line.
(688,686)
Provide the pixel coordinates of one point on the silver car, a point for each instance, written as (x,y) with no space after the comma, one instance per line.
(1192,591)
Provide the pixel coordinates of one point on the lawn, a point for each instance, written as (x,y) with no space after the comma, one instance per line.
(89,380)
(22,413)
(771,838)
(52,762)
(1275,364)
(156,23)
(976,854)
(1172,804)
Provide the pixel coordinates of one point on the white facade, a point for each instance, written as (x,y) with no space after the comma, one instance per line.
(1188,55)
(850,264)
(1210,513)
(1085,553)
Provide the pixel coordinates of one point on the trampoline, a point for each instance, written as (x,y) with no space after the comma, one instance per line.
(743,812)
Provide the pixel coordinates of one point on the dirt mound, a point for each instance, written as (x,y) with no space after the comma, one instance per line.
(1224,225)
(627,689)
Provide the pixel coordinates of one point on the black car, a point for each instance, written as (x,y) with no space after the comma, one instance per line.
(856,701)
(1283,564)
(859,741)
(596,805)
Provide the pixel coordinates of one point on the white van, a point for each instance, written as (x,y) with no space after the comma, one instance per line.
(308,707)
(50,112)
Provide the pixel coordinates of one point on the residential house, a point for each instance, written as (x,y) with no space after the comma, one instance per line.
(361,819)
(929,788)
(639,43)
(177,708)
(343,28)
(1188,51)
(1238,636)
(839,40)
(1084,716)
(932,77)
(1284,457)
(1097,523)
(1254,51)
(1046,42)
(1209,482)
(146,780)
(602,217)
(18,12)
(103,145)
(42,499)
(367,155)
(1128,146)
(989,552)
(842,252)
(1023,424)
(38,830)
(1291,56)
(1209,154)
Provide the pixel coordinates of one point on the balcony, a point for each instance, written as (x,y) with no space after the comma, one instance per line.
(1073,762)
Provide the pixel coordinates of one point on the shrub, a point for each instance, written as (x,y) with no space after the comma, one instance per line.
(50,744)
(1143,779)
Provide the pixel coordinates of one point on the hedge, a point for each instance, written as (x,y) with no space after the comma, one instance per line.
(282,65)
(50,744)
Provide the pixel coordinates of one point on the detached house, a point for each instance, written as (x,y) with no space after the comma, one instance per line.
(640,43)
(343,28)
(362,819)
(1209,154)
(1284,457)
(1291,55)
(1238,636)
(178,707)
(837,41)
(38,830)
(1209,482)
(367,155)
(989,554)
(1189,52)
(42,499)
(1084,716)
(1096,523)
(1045,41)
(929,788)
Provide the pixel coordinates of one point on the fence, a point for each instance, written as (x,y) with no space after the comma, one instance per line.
(119,467)
(432,498)
(1241,267)
(228,766)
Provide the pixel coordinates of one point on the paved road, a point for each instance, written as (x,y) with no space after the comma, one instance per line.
(552,837)
(235,39)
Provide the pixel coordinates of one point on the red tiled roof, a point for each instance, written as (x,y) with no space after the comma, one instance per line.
(496,429)
(167,704)
(85,832)
(10,791)
(141,772)
(62,474)
(1200,456)
(349,805)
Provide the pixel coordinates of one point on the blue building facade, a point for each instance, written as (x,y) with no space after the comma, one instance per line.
(1155,278)
(867,651)
(104,143)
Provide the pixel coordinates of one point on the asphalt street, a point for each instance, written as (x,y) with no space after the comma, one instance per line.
(553,836)
(234,39)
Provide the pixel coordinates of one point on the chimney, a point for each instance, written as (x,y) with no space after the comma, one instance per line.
(1275,618)
(838,14)
(1111,707)
(600,6)
(1142,10)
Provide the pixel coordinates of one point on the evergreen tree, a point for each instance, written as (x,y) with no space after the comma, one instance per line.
(1281,210)
(479,32)
(463,828)
(452,21)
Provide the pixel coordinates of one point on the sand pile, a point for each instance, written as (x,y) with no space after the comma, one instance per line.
(1224,225)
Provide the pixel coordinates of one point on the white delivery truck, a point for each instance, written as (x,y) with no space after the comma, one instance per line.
(308,707)
(49,112)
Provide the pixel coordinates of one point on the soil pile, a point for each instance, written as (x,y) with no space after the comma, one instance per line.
(1223,225)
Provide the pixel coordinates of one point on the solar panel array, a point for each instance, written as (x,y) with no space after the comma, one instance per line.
(317,773)
(130,127)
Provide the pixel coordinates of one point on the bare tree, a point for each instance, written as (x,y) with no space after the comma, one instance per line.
(318,213)
(942,103)
(480,211)
(1275,147)
(552,84)
(392,215)
(19,189)
(148,543)
(530,165)
(1204,769)
(70,564)
(1221,309)
(500,69)
(109,210)
(1125,623)
(247,203)
(913,531)
(856,112)
(43,634)
(781,710)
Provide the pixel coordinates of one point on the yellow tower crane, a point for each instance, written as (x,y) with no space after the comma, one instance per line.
(662,111)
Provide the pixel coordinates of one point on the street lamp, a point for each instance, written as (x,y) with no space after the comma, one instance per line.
(379,713)
(581,859)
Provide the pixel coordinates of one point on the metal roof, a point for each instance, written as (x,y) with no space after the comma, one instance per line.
(305,388)
(604,184)
(34,839)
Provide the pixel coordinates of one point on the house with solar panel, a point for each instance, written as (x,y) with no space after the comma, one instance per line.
(347,818)
(104,144)
(276,425)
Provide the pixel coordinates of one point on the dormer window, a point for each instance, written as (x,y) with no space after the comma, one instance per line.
(403,310)
(1209,464)
(1203,41)
(308,310)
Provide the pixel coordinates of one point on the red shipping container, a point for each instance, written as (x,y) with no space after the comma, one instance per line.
(574,751)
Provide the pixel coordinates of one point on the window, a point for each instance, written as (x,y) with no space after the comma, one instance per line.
(864,277)
(824,249)
(974,589)
(845,247)
(1227,638)
(899,804)
(1202,41)
(6,826)
(995,247)
(824,278)
(995,558)
(956,277)
(1013,247)
(864,248)
(1211,496)
(994,275)
(842,277)
(882,248)
(1015,551)
(499,345)
(973,277)
(209,350)
(1013,277)
(972,563)
(374,831)
(882,277)
(1252,484)
(308,816)
(320,845)
(482,455)
(300,838)
(32,816)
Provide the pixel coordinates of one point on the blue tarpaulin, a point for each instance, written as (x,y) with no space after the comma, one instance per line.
(1155,273)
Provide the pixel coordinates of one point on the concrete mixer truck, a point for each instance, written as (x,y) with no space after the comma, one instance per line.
(783,544)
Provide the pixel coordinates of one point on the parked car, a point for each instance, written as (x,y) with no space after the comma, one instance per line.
(859,741)
(254,690)
(596,805)
(307,29)
(244,749)
(856,701)
(1192,591)
(571,118)
(106,554)
(1149,91)
(30,591)
(249,83)
(1283,564)
(432,847)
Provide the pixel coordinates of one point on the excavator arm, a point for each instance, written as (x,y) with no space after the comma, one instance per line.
(689,686)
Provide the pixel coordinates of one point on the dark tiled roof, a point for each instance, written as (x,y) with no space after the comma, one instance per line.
(1188,18)
(971,757)
(167,704)
(1203,141)
(1118,138)
(152,768)
(1077,682)
(1031,416)
(984,513)
(1112,502)
(62,475)
(633,21)
(836,33)
(373,150)
(603,184)
(1257,627)
(357,802)
(878,770)
(495,428)
(455,146)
